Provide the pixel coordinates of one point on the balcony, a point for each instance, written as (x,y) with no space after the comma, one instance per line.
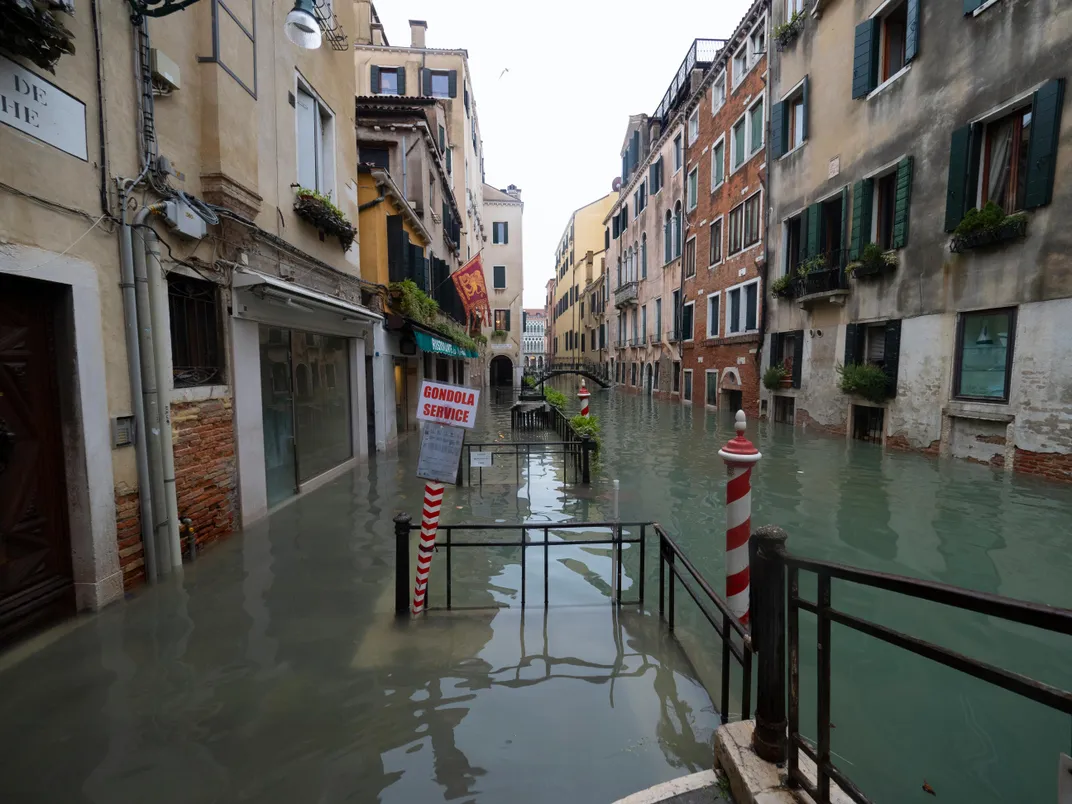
(702,54)
(822,278)
(653,338)
(626,294)
(673,335)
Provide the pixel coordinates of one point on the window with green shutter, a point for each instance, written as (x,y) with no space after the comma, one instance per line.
(865,58)
(960,163)
(815,220)
(779,125)
(1045,133)
(903,200)
(862,200)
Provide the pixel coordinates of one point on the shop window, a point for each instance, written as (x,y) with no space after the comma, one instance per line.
(984,355)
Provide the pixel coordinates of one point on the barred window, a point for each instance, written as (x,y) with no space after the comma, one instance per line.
(195,332)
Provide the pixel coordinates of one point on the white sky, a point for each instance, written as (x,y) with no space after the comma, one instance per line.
(554,124)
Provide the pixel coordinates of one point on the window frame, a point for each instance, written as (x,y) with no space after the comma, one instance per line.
(1020,143)
(757,196)
(742,50)
(719,143)
(687,383)
(212,350)
(505,311)
(393,71)
(750,134)
(877,205)
(690,242)
(324,172)
(708,385)
(495,233)
(742,311)
(720,221)
(738,213)
(494,286)
(692,189)
(742,121)
(445,75)
(753,51)
(692,128)
(717,332)
(679,152)
(692,321)
(1010,351)
(720,81)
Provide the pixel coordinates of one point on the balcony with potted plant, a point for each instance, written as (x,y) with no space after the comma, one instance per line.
(822,278)
(873,261)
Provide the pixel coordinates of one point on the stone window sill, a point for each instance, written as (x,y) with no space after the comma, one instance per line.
(890,81)
(200,393)
(986,411)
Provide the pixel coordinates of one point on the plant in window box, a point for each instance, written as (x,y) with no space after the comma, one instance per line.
(498,335)
(775,376)
(986,227)
(787,33)
(782,287)
(873,261)
(864,379)
(319,210)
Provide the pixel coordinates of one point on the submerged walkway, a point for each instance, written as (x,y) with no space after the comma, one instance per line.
(276,672)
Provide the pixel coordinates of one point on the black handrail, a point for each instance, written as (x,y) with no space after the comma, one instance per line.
(570,451)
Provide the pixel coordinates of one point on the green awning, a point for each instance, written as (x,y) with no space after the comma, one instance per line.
(433,343)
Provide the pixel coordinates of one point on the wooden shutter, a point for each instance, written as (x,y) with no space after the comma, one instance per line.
(912,32)
(865,58)
(452,81)
(803,249)
(904,200)
(500,276)
(779,126)
(450,161)
(777,345)
(506,320)
(506,232)
(893,353)
(634,150)
(844,244)
(957,191)
(815,228)
(401,80)
(1042,152)
(852,335)
(971,5)
(374,79)
(616,222)
(426,82)
(798,356)
(395,247)
(862,200)
(652,178)
(804,95)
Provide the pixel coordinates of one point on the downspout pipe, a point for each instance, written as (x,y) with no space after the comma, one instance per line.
(160,320)
(130,322)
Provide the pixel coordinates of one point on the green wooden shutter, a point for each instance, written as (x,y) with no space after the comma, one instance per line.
(912,33)
(506,232)
(777,345)
(798,357)
(374,80)
(865,58)
(815,220)
(862,200)
(904,200)
(507,321)
(452,82)
(852,334)
(844,245)
(401,80)
(395,259)
(956,202)
(804,96)
(971,5)
(426,82)
(1045,133)
(779,126)
(652,178)
(892,356)
(803,250)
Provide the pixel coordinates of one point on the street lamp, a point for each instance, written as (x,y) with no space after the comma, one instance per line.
(301,26)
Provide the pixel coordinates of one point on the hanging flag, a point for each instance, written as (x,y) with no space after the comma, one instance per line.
(473,290)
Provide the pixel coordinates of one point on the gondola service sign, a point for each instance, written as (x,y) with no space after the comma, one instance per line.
(447,404)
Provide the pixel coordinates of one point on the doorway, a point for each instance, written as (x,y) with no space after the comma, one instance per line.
(867,423)
(501,372)
(732,402)
(36,577)
(370,403)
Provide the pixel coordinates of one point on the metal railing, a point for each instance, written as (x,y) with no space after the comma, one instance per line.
(701,53)
(619,536)
(588,368)
(577,448)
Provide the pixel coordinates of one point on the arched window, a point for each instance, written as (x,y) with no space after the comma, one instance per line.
(644,256)
(668,238)
(636,260)
(677,229)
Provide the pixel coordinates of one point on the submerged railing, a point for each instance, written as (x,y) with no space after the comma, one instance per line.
(576,447)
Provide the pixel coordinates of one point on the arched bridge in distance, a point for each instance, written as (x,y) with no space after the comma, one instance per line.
(596,372)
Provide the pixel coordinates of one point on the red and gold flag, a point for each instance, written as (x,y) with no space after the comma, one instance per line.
(473,290)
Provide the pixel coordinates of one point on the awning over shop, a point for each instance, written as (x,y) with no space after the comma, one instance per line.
(302,298)
(433,343)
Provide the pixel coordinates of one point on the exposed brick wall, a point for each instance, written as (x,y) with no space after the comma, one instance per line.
(805,420)
(1050,465)
(128,537)
(205,475)
(899,441)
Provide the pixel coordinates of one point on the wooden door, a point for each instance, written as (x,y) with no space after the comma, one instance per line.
(35,547)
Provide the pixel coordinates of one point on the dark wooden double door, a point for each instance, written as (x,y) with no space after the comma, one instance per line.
(36,583)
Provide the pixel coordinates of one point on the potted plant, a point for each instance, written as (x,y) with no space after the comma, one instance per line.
(782,287)
(318,210)
(775,377)
(866,380)
(986,227)
(498,335)
(873,261)
(787,33)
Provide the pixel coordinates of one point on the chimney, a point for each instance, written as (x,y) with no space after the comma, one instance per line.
(377,34)
(514,191)
(417,30)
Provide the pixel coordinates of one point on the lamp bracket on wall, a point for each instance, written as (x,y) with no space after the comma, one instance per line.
(156,8)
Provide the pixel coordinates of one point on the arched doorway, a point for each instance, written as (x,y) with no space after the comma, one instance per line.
(501,372)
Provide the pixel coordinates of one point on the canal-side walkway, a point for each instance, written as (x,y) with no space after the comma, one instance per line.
(275,671)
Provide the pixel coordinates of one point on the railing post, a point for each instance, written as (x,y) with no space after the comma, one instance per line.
(768,641)
(402,523)
(586,451)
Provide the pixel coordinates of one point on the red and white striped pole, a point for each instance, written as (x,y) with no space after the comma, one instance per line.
(583,395)
(433,501)
(739,455)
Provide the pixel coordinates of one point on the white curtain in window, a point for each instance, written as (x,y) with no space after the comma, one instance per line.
(1000,163)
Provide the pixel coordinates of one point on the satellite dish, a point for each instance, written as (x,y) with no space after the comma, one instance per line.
(616,185)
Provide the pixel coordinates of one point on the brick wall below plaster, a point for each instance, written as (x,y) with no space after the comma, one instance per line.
(205,476)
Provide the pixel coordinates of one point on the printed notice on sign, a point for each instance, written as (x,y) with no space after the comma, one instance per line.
(41,109)
(441,452)
(480,460)
(447,404)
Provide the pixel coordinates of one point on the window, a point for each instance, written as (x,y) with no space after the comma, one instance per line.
(718,164)
(690,258)
(315,143)
(677,229)
(793,7)
(713,322)
(694,125)
(640,198)
(387,80)
(643,322)
(886,207)
(659,317)
(884,45)
(718,93)
(757,44)
(655,176)
(687,321)
(715,243)
(894,38)
(796,122)
(755,127)
(675,301)
(737,142)
(736,228)
(678,153)
(375,155)
(694,187)
(502,320)
(500,232)
(711,387)
(440,83)
(1005,161)
(984,355)
(196,357)
(499,280)
(668,237)
(687,395)
(644,256)
(740,65)
(751,220)
(677,376)
(789,121)
(742,313)
(794,242)
(442,139)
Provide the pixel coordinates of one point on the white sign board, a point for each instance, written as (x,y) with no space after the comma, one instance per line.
(480,460)
(44,111)
(447,404)
(441,452)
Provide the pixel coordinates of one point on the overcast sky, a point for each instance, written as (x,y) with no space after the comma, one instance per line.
(554,123)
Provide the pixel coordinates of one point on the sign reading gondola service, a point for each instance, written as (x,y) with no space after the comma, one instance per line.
(447,404)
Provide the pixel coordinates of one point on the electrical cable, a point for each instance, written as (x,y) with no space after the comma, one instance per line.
(63,253)
(171,254)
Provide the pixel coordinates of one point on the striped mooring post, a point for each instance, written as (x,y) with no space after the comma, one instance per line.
(739,455)
(433,501)
(583,395)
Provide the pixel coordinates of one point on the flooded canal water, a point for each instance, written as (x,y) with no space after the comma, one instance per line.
(276,672)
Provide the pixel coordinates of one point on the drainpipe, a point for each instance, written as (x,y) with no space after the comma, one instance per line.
(160,321)
(767,201)
(130,321)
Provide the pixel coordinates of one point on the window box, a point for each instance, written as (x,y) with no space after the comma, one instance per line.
(873,262)
(786,33)
(988,228)
(784,287)
(318,210)
(866,380)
